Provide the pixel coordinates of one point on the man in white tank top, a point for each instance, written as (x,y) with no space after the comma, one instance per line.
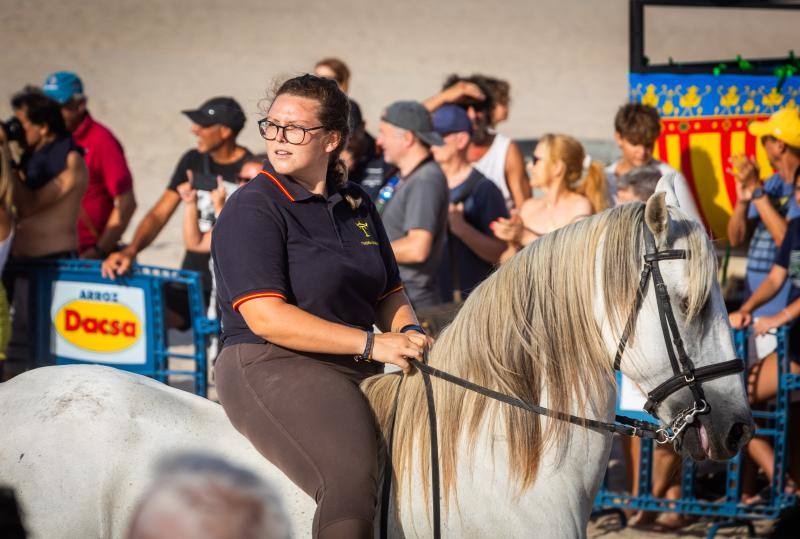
(496,156)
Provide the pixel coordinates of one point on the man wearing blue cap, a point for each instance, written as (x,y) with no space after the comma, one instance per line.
(109,202)
(475,202)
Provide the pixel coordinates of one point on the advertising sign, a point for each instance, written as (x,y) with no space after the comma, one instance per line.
(98,323)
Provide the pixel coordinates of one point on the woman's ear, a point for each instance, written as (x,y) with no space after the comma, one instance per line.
(334,138)
(557,167)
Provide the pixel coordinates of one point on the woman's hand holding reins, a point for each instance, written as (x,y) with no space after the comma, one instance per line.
(396,348)
(740,319)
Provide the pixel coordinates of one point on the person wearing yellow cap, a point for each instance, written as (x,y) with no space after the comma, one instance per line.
(762,210)
(771,211)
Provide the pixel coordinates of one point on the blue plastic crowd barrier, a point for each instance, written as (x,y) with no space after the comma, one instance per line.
(77,316)
(727,511)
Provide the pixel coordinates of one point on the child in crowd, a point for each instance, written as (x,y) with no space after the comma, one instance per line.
(636,129)
(638,185)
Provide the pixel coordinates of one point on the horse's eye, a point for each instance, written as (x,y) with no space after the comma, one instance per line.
(684,305)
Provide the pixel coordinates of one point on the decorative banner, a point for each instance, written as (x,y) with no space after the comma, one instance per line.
(98,323)
(704,122)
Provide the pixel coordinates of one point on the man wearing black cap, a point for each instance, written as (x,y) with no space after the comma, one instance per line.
(217,157)
(414,205)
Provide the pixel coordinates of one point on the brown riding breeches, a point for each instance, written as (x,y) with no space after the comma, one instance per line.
(309,418)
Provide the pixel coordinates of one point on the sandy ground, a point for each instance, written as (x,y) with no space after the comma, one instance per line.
(142,61)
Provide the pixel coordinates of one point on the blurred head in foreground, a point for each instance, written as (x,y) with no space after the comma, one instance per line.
(198,496)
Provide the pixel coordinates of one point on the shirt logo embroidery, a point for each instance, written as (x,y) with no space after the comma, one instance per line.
(364,227)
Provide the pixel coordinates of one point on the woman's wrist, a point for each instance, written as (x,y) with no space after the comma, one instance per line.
(369,344)
(787,317)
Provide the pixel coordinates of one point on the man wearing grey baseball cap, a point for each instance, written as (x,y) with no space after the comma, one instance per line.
(414,204)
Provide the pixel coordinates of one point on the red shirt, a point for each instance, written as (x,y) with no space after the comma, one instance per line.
(109,177)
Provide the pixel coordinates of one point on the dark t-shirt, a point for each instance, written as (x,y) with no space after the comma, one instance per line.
(45,164)
(788,257)
(202,163)
(276,239)
(483,203)
(371,171)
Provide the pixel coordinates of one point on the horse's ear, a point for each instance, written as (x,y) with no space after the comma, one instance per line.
(666,185)
(656,216)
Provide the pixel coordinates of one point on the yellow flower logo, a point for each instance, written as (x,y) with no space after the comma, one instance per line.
(731,98)
(668,108)
(772,99)
(690,100)
(650,98)
(749,105)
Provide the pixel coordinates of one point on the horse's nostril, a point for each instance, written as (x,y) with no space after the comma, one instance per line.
(737,436)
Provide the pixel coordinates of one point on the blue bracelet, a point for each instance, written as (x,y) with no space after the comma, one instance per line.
(367,355)
(412,327)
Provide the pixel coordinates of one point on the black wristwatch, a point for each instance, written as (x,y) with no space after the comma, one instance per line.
(757,193)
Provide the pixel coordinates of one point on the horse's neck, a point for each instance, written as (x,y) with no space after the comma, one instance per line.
(487,500)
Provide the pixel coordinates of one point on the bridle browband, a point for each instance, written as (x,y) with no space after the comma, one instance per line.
(685,375)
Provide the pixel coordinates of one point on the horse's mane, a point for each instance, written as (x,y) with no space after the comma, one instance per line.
(528,328)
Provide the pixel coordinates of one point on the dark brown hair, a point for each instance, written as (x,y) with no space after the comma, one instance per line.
(487,105)
(638,124)
(501,90)
(340,70)
(333,115)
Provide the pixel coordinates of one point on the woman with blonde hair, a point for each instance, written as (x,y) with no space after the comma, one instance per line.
(573,187)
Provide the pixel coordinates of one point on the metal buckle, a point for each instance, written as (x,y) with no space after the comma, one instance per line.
(688,379)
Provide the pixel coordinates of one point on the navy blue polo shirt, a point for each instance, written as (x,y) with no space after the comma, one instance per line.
(274,238)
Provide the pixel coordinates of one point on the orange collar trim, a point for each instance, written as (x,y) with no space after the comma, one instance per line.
(390,292)
(278,184)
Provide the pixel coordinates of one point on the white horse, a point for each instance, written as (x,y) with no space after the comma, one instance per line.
(77,442)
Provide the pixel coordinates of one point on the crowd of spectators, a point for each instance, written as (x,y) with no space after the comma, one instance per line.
(455,194)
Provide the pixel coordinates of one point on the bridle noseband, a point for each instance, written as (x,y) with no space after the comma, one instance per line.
(685,375)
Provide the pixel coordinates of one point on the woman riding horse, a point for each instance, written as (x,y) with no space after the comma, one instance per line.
(304,270)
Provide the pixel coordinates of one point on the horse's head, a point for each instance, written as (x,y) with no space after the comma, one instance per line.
(704,398)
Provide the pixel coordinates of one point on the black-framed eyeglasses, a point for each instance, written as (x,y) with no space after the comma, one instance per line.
(293,134)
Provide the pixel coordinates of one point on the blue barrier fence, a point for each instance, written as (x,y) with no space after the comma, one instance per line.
(729,510)
(77,316)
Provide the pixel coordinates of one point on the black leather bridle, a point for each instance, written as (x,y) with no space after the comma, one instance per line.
(685,375)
